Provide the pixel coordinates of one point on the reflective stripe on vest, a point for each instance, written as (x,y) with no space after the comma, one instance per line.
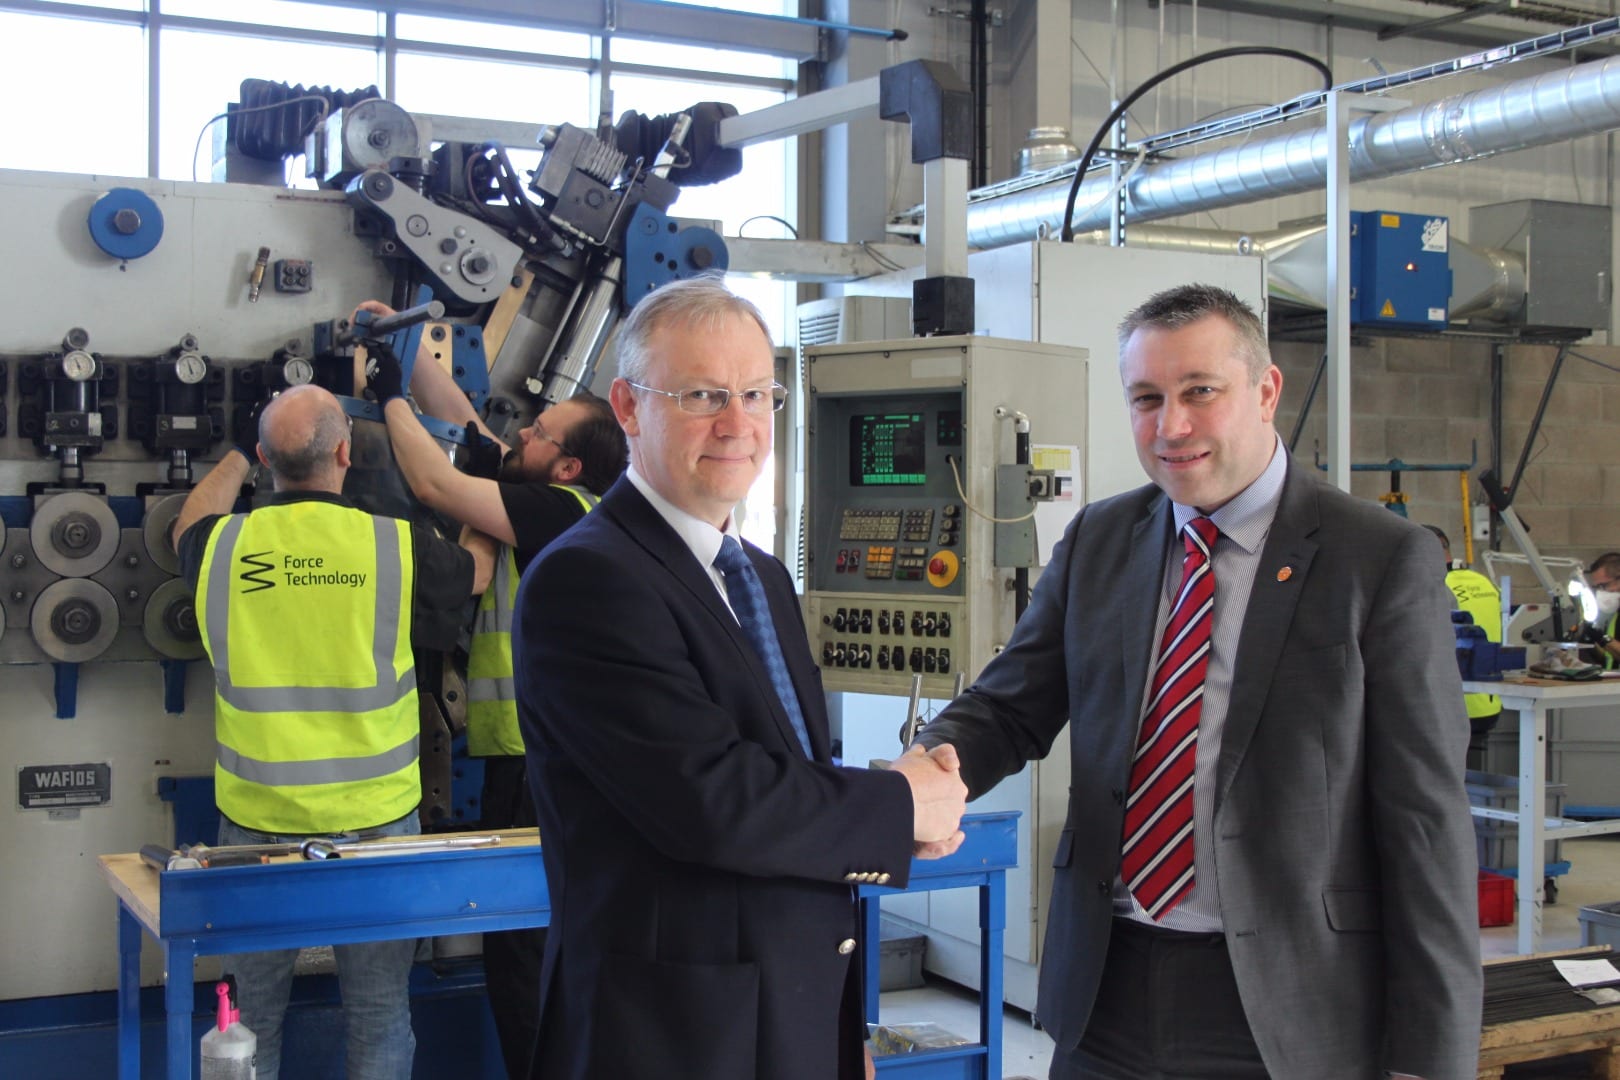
(492,722)
(316,723)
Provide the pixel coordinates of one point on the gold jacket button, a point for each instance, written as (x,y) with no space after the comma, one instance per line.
(846,946)
(852,876)
(883,879)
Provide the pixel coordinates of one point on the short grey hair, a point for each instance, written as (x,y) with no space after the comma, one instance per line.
(301,464)
(1175,309)
(700,303)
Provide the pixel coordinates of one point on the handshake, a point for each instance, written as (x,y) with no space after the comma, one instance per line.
(938,798)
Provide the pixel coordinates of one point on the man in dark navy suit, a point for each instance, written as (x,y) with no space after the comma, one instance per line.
(701,848)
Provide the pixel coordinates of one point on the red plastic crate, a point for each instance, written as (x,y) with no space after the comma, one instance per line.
(1495,899)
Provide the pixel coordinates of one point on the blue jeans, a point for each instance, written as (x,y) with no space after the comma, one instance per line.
(373,979)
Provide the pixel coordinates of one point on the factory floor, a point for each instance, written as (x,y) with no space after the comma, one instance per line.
(1594,878)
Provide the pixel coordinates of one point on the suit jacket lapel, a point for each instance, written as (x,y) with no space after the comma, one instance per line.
(647,527)
(1272,602)
(1149,547)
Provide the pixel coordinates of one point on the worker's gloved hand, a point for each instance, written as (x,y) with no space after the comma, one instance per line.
(1591,635)
(383,374)
(245,440)
(484,454)
(703,160)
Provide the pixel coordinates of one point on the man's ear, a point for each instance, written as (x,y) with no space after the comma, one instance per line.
(622,396)
(567,469)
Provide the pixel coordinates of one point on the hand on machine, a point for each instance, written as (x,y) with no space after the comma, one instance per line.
(1588,634)
(384,375)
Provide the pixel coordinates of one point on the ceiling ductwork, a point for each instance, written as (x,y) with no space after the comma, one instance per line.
(1555,107)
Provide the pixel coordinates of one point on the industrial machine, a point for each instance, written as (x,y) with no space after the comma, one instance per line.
(930,461)
(148,318)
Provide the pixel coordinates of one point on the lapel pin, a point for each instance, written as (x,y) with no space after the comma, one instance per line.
(1285,573)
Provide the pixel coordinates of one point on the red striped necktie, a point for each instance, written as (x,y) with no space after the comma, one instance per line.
(1157,865)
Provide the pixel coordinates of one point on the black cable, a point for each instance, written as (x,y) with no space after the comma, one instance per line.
(1169,72)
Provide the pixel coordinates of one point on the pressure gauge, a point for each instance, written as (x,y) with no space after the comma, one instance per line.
(190,368)
(297,371)
(79,365)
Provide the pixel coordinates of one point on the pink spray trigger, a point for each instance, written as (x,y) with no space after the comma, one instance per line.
(225,1014)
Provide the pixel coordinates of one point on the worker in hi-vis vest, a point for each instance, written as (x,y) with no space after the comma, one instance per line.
(1604,577)
(1479,596)
(309,609)
(563,462)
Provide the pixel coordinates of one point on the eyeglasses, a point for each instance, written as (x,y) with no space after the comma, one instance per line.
(1611,585)
(546,435)
(707,401)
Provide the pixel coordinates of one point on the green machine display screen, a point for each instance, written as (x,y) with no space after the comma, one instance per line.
(887,449)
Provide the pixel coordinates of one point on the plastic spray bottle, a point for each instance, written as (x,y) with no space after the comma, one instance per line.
(228,1049)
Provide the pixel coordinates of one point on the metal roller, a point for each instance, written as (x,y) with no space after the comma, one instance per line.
(74,620)
(155,531)
(75,534)
(169,622)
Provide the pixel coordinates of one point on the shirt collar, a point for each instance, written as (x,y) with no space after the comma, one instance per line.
(280,497)
(1247,517)
(698,535)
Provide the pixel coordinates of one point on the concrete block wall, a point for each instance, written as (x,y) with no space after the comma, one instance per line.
(1427,401)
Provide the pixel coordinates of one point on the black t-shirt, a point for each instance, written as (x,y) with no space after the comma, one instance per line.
(539,513)
(444,573)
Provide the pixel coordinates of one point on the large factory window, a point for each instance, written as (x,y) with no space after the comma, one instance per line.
(486,35)
(89,116)
(342,19)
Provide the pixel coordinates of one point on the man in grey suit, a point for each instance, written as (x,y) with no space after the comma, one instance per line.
(1268,868)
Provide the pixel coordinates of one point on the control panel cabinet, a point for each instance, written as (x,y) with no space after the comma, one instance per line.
(904,440)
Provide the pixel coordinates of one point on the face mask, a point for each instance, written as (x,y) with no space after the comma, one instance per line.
(1607,604)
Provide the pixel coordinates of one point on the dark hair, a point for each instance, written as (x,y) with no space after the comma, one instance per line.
(1608,562)
(598,441)
(1184,305)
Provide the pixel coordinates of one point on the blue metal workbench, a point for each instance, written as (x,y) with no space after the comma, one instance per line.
(292,903)
(982,862)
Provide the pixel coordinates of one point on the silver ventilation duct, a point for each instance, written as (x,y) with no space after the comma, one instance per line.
(1561,105)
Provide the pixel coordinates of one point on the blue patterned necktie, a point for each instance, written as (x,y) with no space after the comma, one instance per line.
(747,597)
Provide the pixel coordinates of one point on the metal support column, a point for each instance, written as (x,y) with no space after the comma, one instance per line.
(1338,291)
(1339,107)
(945,217)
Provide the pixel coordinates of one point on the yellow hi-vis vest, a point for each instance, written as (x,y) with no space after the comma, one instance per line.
(492,720)
(305,610)
(1478,596)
